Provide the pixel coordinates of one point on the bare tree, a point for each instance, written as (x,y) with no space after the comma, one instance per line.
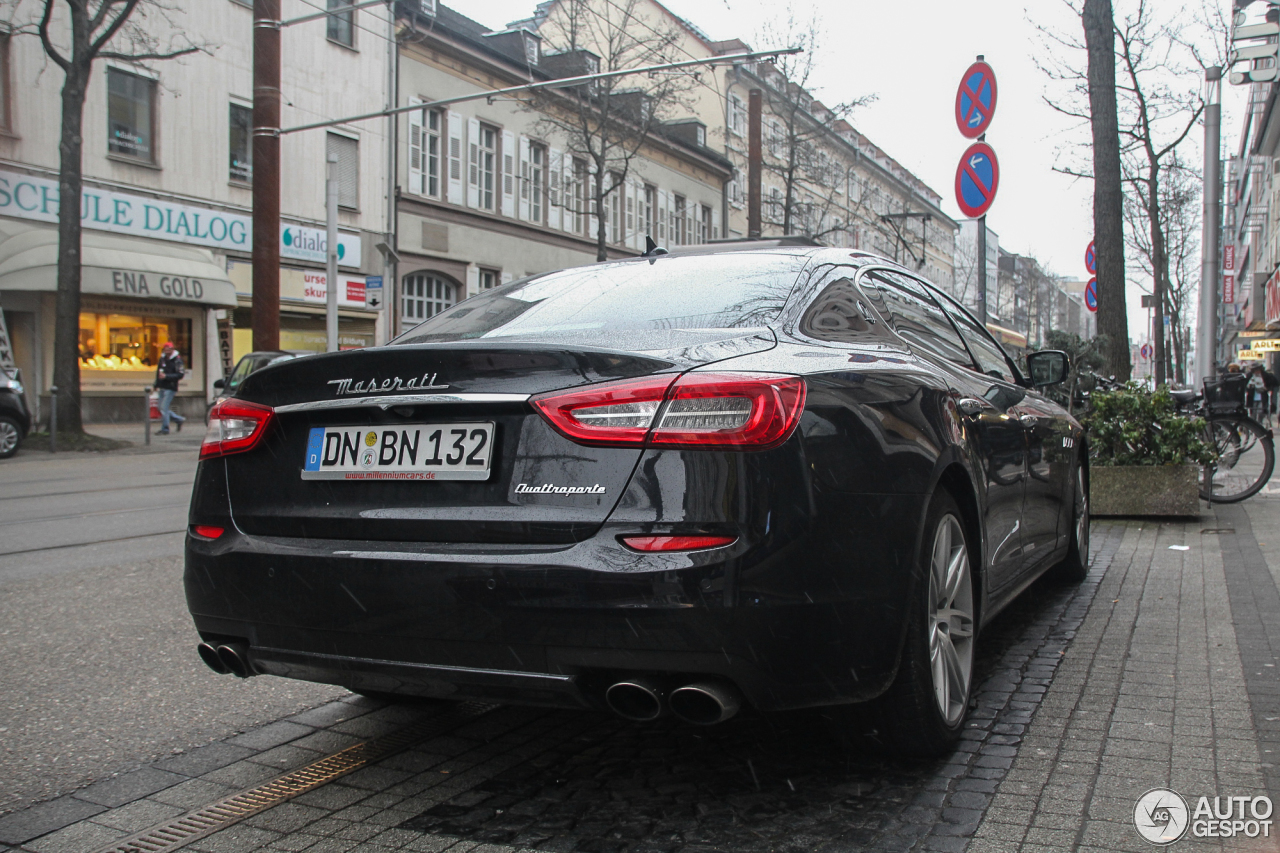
(802,141)
(607,122)
(97,29)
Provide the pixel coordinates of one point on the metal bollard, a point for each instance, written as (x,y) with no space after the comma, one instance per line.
(53,419)
(146,415)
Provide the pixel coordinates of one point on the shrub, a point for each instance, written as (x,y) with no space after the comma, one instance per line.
(1134,426)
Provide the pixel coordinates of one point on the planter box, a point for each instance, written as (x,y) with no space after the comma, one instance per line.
(1144,490)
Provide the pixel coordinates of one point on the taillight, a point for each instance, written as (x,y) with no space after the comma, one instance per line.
(207,531)
(234,427)
(676,543)
(751,411)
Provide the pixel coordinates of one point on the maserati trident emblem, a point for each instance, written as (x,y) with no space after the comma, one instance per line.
(373,386)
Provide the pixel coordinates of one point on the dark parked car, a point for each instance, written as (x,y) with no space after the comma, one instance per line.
(15,419)
(685,483)
(248,363)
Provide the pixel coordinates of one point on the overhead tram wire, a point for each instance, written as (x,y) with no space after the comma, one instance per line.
(353,18)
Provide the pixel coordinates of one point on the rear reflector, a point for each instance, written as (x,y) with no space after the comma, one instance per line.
(750,411)
(206,531)
(234,427)
(677,543)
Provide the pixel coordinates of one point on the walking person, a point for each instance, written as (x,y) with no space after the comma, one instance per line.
(169,373)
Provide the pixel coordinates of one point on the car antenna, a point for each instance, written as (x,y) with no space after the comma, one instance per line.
(652,250)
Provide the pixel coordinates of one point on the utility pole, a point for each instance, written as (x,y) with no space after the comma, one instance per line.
(755,158)
(266,174)
(331,253)
(1207,329)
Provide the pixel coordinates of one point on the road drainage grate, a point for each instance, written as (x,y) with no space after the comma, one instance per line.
(221,814)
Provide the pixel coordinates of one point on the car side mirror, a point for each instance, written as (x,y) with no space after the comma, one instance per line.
(219,384)
(1048,367)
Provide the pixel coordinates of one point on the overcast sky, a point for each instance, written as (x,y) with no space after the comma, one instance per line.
(911,56)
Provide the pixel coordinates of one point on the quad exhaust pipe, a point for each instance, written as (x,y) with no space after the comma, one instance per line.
(702,703)
(230,658)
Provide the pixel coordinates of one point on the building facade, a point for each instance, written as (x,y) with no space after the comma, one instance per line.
(166,207)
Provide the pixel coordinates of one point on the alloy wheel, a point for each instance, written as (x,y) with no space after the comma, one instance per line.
(951,626)
(1082,517)
(8,437)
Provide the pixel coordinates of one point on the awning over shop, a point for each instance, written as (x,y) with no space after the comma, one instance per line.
(116,266)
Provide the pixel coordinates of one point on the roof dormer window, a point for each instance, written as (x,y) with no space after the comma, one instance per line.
(531,49)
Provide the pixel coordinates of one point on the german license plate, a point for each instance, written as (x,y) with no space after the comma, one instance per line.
(402,452)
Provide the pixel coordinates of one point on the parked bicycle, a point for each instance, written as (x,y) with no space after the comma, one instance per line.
(1244,450)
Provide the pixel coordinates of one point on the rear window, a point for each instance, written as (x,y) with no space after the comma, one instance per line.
(699,292)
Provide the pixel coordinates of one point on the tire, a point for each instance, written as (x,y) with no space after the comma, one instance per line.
(10,436)
(1075,567)
(1246,458)
(924,710)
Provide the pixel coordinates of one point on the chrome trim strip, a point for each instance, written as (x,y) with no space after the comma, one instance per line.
(389,400)
(427,667)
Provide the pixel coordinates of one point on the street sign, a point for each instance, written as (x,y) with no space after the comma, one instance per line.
(1091,260)
(976,100)
(1147,352)
(1148,300)
(373,292)
(1091,295)
(977,179)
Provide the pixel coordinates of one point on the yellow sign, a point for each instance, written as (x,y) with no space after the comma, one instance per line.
(1266,345)
(1249,355)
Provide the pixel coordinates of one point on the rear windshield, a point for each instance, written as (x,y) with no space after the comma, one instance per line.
(696,292)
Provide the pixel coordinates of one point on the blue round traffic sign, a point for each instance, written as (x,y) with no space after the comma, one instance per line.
(1091,295)
(977,178)
(1091,259)
(976,100)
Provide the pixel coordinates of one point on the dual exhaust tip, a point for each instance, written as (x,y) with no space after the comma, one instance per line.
(702,703)
(229,658)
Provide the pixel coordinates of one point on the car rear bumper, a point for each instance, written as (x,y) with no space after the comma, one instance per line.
(555,625)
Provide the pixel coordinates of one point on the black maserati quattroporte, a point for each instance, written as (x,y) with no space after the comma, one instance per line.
(687,483)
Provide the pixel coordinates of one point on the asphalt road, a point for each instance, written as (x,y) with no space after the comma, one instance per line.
(97,652)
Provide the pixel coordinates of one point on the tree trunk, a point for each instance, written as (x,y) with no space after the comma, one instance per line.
(602,250)
(66,337)
(1159,269)
(1108,194)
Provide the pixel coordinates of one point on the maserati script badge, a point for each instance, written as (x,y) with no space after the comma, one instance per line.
(395,383)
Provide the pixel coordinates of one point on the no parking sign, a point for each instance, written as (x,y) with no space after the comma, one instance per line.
(976,100)
(977,178)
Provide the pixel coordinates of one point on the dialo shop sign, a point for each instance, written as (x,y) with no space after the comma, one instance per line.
(28,197)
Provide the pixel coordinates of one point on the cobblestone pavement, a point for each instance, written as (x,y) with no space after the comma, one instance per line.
(1087,696)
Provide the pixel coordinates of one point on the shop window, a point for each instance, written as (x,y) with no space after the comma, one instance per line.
(347,150)
(241,144)
(130,115)
(342,27)
(125,342)
(424,295)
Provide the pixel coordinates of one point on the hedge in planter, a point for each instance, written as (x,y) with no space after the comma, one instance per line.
(1144,457)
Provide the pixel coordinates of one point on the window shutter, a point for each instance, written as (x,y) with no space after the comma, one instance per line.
(569,197)
(508,277)
(417,151)
(661,237)
(347,150)
(455,195)
(715,223)
(508,174)
(524,178)
(473,162)
(473,280)
(555,168)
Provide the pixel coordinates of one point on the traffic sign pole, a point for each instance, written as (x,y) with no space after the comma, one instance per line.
(978,175)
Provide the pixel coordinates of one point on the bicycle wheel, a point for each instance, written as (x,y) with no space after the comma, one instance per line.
(1244,458)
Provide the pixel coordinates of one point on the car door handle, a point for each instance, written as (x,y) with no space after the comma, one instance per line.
(1029,421)
(970,407)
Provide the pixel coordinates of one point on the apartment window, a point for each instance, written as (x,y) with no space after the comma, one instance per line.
(537,181)
(424,152)
(678,229)
(342,27)
(425,294)
(431,150)
(489,279)
(650,208)
(347,150)
(704,224)
(615,208)
(737,115)
(579,196)
(484,163)
(241,144)
(735,189)
(130,115)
